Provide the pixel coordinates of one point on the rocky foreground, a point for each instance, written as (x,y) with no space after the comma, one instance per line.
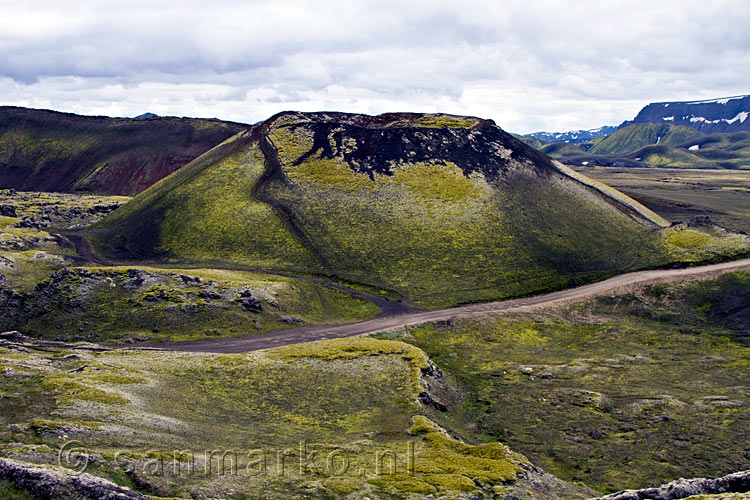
(684,488)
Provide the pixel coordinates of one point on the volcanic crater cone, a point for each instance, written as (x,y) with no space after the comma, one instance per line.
(441,209)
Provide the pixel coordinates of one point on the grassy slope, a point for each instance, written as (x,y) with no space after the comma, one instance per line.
(726,150)
(108,307)
(627,390)
(638,135)
(48,151)
(355,398)
(561,149)
(206,212)
(531,141)
(442,238)
(637,143)
(671,157)
(44,292)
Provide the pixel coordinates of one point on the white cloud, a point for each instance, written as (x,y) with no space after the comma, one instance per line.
(528,65)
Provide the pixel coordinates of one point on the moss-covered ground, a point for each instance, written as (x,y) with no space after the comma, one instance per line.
(624,391)
(122,304)
(60,210)
(45,292)
(28,255)
(235,426)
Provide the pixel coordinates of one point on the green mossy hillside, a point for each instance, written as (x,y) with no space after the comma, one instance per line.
(638,135)
(206,212)
(137,304)
(623,391)
(343,415)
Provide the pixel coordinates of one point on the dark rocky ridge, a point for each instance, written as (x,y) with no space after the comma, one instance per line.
(57,484)
(43,150)
(684,488)
(373,144)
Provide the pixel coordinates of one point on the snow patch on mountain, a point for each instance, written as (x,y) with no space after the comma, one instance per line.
(573,137)
(741,116)
(722,100)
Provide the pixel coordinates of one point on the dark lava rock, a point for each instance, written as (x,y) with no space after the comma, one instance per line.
(208,294)
(659,419)
(13,336)
(104,209)
(597,434)
(427,400)
(683,488)
(58,484)
(254,305)
(439,406)
(189,279)
(7,211)
(432,370)
(701,221)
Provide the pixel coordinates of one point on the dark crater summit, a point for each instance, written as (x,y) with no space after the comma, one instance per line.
(374,144)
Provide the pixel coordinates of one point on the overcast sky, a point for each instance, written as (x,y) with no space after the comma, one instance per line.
(528,65)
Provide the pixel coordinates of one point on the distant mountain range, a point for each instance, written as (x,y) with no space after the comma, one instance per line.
(713,133)
(574,137)
(725,114)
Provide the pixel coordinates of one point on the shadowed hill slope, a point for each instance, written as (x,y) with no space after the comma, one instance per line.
(49,151)
(442,209)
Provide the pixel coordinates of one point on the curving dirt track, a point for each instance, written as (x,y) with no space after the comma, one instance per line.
(245,343)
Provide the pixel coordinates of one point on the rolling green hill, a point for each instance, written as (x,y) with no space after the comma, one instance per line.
(724,150)
(44,150)
(670,157)
(531,141)
(441,209)
(561,149)
(639,135)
